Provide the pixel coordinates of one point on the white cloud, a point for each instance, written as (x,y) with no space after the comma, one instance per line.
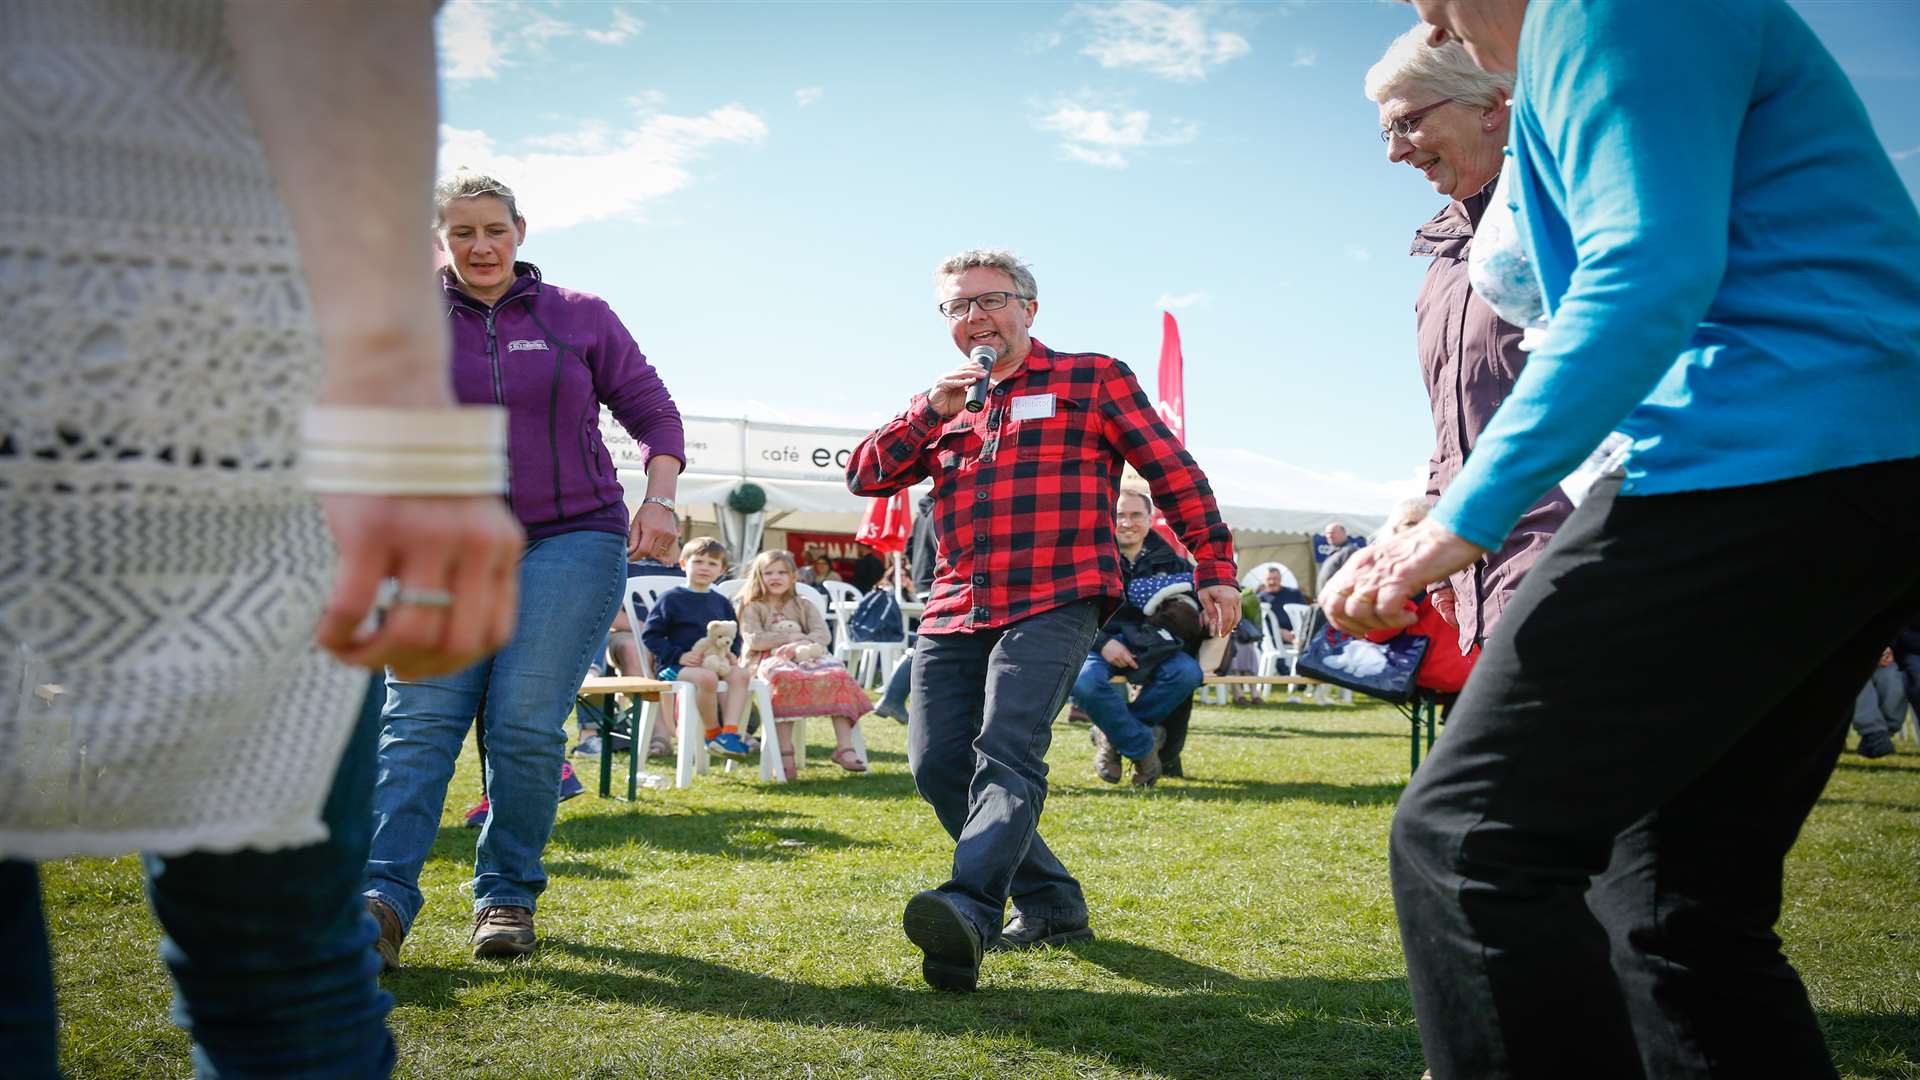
(468,49)
(1305,57)
(625,25)
(807,95)
(1358,253)
(1170,302)
(1171,42)
(478,39)
(1902,155)
(1108,136)
(597,172)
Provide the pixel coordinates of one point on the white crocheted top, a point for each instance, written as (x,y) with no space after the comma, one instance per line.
(159,561)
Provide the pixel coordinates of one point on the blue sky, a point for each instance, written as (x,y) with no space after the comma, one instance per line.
(762,189)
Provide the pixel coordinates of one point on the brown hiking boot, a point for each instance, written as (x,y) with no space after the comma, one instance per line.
(1147,769)
(1106,760)
(388,943)
(503,931)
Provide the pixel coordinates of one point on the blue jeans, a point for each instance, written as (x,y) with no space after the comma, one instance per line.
(271,952)
(983,709)
(569,587)
(1129,725)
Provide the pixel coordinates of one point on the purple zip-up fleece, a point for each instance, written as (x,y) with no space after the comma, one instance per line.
(552,356)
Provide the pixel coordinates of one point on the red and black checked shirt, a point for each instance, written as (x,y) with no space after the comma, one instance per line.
(1023,500)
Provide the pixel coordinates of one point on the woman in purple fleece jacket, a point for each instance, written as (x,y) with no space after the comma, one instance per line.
(552,356)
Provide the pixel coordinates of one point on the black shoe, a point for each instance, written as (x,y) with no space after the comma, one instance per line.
(952,944)
(1875,746)
(1033,931)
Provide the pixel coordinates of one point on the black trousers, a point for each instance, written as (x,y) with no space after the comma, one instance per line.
(1588,869)
(980,721)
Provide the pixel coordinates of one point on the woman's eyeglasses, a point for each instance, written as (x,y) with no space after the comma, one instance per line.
(1409,123)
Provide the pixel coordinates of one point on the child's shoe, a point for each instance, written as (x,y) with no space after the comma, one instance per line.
(570,784)
(589,746)
(477,814)
(729,744)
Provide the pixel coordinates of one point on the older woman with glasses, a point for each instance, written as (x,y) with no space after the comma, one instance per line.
(1444,116)
(1588,870)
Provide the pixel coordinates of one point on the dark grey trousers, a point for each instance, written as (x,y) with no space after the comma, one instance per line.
(1587,871)
(982,710)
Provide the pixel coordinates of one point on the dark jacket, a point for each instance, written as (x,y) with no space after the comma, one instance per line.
(923,547)
(1470,359)
(1156,557)
(552,356)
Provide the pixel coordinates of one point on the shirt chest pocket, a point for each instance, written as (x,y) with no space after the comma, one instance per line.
(1070,429)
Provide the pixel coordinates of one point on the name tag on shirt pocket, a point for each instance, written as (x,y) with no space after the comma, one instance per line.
(1032,407)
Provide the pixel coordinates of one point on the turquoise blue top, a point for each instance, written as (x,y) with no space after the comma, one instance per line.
(1731,266)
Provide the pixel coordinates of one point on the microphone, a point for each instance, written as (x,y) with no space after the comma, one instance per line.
(986,357)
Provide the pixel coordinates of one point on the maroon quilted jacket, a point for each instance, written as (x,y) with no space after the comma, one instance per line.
(1470,358)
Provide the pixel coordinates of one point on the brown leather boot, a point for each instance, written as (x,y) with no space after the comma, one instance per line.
(391,936)
(503,931)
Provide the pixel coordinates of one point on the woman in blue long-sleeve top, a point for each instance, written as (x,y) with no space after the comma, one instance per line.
(1588,869)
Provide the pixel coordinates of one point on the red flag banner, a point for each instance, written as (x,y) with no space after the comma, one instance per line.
(1172,407)
(1172,404)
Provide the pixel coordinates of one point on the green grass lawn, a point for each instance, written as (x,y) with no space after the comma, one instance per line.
(741,930)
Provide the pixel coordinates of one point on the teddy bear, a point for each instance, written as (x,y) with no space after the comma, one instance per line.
(798,651)
(715,651)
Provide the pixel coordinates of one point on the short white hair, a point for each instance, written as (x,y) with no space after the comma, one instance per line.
(1445,69)
(992,259)
(1406,514)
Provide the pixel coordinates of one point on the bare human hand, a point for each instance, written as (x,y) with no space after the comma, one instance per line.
(466,546)
(1220,609)
(1443,600)
(1118,655)
(949,393)
(1374,589)
(653,533)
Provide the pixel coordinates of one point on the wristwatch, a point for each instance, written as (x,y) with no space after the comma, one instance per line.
(658,500)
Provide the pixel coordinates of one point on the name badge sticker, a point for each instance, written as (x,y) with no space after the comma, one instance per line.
(1033,407)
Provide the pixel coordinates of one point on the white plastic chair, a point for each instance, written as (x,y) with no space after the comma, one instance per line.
(872,662)
(693,757)
(842,598)
(730,588)
(1274,653)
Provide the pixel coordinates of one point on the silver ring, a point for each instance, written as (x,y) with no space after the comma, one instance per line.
(439,598)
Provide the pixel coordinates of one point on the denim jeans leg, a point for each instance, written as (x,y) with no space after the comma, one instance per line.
(29,1044)
(1106,705)
(570,585)
(1175,680)
(423,725)
(271,953)
(983,709)
(895,698)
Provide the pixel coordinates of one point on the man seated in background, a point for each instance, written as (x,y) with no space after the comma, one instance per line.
(1122,728)
(1276,594)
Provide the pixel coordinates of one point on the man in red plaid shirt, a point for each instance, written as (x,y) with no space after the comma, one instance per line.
(1023,511)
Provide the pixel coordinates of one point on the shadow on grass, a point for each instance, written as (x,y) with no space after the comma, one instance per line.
(1212,1025)
(1894,764)
(769,834)
(1258,791)
(1283,731)
(576,868)
(1867,1045)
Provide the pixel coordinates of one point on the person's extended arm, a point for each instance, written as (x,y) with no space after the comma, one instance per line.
(354,166)
(1639,109)
(893,457)
(632,390)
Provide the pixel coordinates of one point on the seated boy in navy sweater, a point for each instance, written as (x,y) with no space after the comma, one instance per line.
(678,621)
